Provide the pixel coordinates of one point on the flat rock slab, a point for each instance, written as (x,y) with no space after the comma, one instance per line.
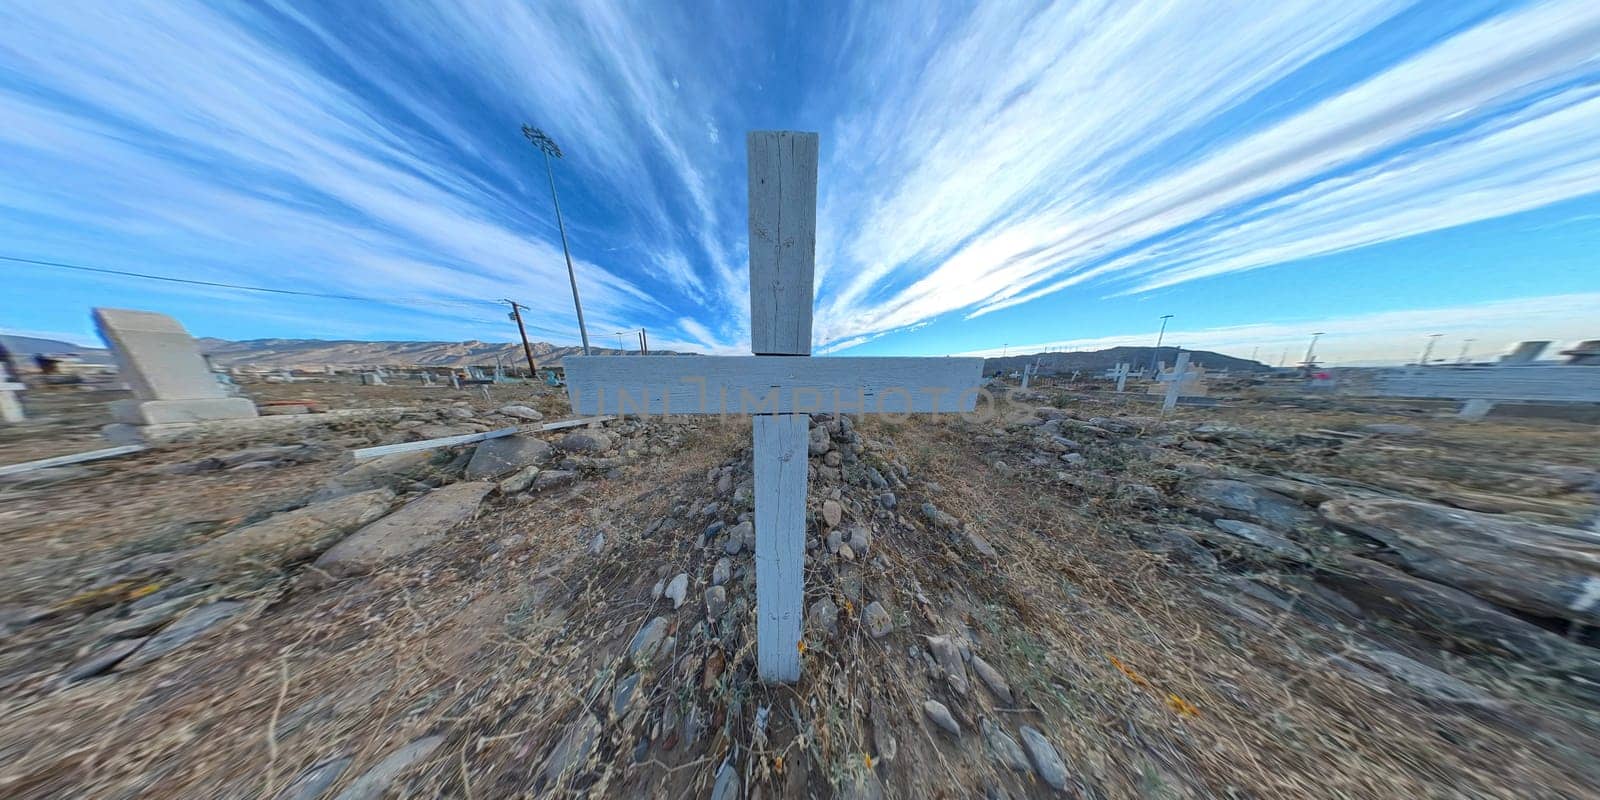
(384,472)
(288,537)
(1253,503)
(372,783)
(1541,569)
(497,457)
(415,526)
(188,628)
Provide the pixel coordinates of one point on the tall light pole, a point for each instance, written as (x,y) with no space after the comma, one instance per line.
(1465,346)
(1311,349)
(549,147)
(1427,350)
(1159,336)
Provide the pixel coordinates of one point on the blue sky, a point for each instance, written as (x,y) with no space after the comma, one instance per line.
(996,175)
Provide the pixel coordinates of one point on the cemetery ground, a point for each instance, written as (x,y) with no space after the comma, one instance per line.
(1075,597)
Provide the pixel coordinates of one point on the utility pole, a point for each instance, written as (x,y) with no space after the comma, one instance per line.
(1465,346)
(549,147)
(1428,349)
(1157,353)
(516,314)
(644,343)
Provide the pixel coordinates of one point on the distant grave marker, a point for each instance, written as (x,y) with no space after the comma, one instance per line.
(10,406)
(162,366)
(778,386)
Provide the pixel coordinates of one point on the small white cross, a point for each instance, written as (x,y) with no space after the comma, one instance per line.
(778,386)
(10,407)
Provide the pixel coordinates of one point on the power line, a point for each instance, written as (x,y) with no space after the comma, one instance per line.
(220,285)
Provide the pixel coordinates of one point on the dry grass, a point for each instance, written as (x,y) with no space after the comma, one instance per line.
(502,637)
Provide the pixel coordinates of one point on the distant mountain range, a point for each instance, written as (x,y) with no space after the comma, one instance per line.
(315,353)
(1096,360)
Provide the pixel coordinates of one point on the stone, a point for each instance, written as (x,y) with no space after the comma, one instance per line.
(315,780)
(860,539)
(572,750)
(1456,619)
(1394,429)
(948,656)
(982,545)
(1005,749)
(553,479)
(162,366)
(1545,570)
(622,696)
(725,484)
(887,500)
(1423,679)
(586,441)
(1046,761)
(416,525)
(657,590)
(992,678)
(102,660)
(721,572)
(519,480)
(733,545)
(846,552)
(520,412)
(186,629)
(1261,539)
(833,458)
(745,534)
(832,513)
(375,782)
(647,641)
(1073,459)
(726,785)
(824,616)
(678,589)
(877,620)
(716,601)
(835,539)
(597,544)
(1178,545)
(940,715)
(496,457)
(287,537)
(939,518)
(818,442)
(1258,505)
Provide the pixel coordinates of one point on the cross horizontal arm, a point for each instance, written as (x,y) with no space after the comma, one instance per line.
(770,384)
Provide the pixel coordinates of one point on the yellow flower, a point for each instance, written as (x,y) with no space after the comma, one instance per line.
(867,757)
(800,646)
(777,765)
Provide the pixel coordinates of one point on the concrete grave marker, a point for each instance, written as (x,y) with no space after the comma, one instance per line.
(10,406)
(778,386)
(170,380)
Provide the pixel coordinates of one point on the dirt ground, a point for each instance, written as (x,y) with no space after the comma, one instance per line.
(496,662)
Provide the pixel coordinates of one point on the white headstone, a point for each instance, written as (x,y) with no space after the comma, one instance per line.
(10,406)
(778,385)
(162,366)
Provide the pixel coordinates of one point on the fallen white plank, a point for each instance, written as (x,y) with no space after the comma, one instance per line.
(780,467)
(468,438)
(76,458)
(771,384)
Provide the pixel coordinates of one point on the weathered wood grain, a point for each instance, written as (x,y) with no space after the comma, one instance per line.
(770,384)
(783,240)
(780,473)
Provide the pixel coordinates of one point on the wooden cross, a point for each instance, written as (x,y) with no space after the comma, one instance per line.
(1175,379)
(778,386)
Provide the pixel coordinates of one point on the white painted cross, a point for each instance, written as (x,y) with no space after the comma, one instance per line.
(1176,378)
(10,407)
(1121,376)
(778,386)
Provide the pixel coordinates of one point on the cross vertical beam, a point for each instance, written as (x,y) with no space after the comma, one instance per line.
(1179,372)
(783,240)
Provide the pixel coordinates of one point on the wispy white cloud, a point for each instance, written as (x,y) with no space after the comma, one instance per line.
(1374,338)
(1016,194)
